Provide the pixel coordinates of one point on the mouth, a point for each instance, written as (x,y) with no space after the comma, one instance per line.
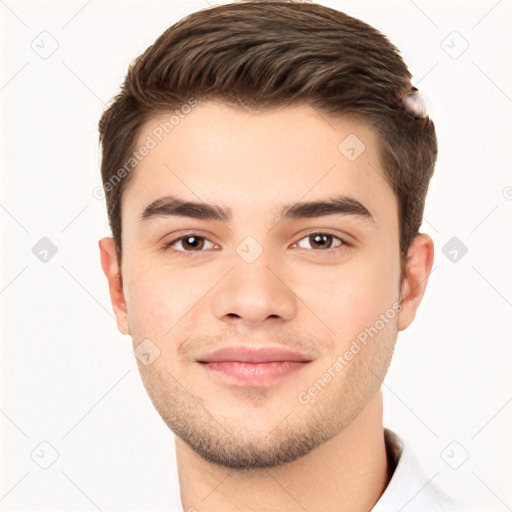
(245,373)
(252,365)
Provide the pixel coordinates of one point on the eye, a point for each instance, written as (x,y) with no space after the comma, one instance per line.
(190,242)
(193,243)
(324,242)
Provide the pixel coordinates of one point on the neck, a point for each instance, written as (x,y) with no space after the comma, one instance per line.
(349,472)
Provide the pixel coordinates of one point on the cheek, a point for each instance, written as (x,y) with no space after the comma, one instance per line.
(162,302)
(350,298)
(156,300)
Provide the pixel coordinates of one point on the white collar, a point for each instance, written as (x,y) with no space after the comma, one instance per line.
(409,487)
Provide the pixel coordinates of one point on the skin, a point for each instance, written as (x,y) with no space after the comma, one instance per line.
(259,447)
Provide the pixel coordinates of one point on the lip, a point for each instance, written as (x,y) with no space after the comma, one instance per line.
(252,374)
(252,354)
(252,366)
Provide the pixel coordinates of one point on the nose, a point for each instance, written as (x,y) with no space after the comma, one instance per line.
(254,292)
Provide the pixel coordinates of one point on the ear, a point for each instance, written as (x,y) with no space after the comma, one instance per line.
(417,270)
(110,267)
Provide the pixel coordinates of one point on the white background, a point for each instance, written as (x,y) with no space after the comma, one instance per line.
(70,379)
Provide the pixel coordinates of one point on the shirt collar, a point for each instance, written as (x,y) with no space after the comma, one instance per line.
(409,488)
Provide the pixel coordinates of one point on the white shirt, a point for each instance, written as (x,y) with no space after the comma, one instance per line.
(409,488)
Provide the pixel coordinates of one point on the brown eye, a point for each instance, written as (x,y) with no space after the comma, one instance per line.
(193,242)
(321,241)
(189,243)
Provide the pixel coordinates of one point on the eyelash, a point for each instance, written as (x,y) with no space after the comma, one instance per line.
(331,251)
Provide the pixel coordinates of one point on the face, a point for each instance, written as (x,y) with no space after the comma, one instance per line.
(286,291)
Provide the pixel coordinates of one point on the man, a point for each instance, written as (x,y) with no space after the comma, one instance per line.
(265,168)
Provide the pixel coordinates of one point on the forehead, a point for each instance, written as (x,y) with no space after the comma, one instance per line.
(219,154)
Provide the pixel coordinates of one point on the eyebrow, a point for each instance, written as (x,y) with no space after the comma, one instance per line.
(175,206)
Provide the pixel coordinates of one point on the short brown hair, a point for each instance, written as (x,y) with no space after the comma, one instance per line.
(259,55)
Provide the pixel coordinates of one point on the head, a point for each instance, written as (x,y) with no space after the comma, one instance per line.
(250,110)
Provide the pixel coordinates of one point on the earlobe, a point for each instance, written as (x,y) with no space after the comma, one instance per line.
(420,258)
(110,267)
